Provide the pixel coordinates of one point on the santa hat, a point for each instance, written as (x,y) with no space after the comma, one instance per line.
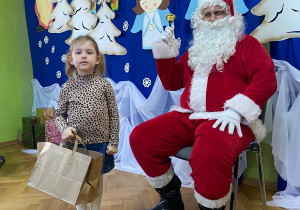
(229,2)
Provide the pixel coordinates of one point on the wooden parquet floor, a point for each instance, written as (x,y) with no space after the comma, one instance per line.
(122,190)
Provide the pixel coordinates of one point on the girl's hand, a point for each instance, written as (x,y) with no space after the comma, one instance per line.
(111,150)
(68,134)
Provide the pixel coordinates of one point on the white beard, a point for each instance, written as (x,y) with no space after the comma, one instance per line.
(214,43)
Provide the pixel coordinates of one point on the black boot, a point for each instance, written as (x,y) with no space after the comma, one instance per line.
(170,196)
(205,208)
(2,161)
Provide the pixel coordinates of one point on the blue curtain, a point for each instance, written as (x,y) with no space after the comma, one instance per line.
(141,62)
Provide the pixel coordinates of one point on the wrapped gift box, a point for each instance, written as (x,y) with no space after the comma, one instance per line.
(39,134)
(44,113)
(28,138)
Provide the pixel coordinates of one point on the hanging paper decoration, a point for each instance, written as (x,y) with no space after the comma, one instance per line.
(150,19)
(47,60)
(82,21)
(281,20)
(63,58)
(60,16)
(114,4)
(40,43)
(58,74)
(46,39)
(125,26)
(126,67)
(105,32)
(146,82)
(43,9)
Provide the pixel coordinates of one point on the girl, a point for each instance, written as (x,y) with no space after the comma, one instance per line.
(88,102)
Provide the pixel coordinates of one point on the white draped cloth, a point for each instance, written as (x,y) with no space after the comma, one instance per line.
(134,109)
(44,97)
(286,134)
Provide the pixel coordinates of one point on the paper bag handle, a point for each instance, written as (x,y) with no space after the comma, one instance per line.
(77,138)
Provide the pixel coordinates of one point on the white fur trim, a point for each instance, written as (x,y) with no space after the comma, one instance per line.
(180,109)
(258,129)
(245,106)
(204,115)
(198,92)
(212,204)
(161,50)
(162,180)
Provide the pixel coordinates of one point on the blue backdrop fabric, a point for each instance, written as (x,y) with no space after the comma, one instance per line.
(287,50)
(141,62)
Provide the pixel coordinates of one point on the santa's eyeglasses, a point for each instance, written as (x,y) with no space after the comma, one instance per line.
(217,14)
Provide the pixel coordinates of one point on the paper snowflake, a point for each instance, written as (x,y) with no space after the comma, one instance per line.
(179,41)
(146,82)
(46,39)
(125,26)
(58,74)
(53,49)
(126,67)
(63,58)
(47,60)
(40,44)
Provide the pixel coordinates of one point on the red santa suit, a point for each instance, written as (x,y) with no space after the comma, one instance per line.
(245,84)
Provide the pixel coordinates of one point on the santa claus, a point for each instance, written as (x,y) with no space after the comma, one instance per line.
(228,77)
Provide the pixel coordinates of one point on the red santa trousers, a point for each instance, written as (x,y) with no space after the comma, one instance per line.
(213,156)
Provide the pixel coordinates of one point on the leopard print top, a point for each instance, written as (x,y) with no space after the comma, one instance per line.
(88,104)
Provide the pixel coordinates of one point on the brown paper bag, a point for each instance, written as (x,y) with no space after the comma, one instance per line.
(69,175)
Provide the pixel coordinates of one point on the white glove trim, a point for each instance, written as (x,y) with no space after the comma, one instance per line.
(245,106)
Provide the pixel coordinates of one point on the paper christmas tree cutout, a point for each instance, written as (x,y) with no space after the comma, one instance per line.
(282,20)
(105,32)
(60,16)
(43,9)
(82,21)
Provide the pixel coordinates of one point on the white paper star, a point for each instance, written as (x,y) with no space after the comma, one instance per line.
(53,49)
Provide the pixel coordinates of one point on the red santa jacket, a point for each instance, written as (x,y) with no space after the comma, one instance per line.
(247,81)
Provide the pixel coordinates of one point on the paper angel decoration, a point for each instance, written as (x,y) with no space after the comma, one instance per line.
(151,17)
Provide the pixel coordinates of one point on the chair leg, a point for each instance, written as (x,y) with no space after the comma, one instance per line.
(235,184)
(261,177)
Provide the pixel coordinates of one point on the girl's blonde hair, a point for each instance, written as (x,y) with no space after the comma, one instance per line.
(71,69)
